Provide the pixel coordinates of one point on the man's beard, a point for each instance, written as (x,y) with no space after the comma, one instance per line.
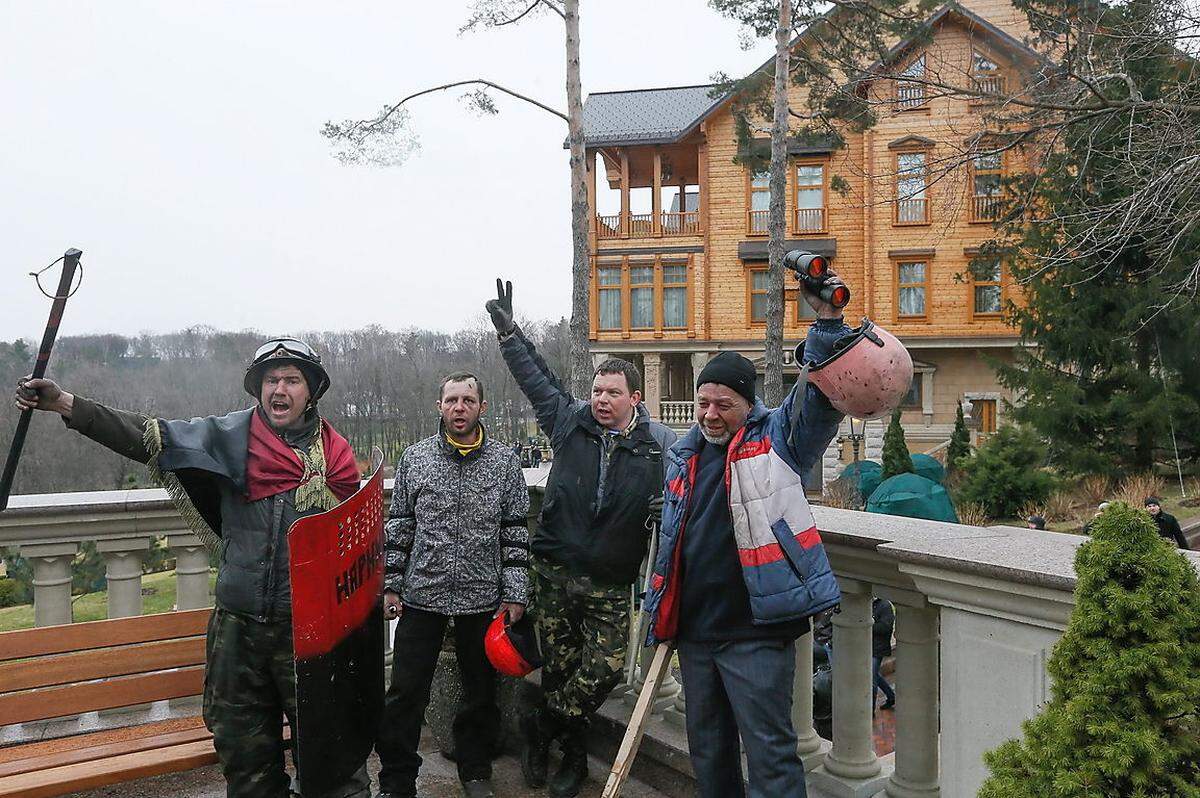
(716,440)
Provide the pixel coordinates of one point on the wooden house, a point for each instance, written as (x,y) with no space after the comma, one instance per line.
(679,229)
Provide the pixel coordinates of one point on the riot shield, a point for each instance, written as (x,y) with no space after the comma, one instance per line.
(337,627)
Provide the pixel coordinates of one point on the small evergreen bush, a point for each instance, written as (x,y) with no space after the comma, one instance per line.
(960,442)
(9,590)
(896,459)
(1005,473)
(1123,715)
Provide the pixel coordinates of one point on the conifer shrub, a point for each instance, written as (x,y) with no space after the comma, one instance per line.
(1122,719)
(896,458)
(1005,473)
(960,442)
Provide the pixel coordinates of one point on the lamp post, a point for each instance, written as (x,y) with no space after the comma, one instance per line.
(856,437)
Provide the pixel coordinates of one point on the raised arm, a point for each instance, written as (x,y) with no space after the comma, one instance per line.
(118,430)
(552,402)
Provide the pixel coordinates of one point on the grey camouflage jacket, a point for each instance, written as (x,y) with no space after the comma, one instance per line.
(457,540)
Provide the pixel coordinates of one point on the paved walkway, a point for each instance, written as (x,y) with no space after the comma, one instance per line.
(438,780)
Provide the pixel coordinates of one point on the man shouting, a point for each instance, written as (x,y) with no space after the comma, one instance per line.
(457,548)
(590,541)
(239,481)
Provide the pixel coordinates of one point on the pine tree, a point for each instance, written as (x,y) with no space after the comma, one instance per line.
(1115,328)
(1123,715)
(896,459)
(960,442)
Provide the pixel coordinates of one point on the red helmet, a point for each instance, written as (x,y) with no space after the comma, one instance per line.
(867,375)
(512,648)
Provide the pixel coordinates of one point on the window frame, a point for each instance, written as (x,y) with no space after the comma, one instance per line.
(653,267)
(905,104)
(751,190)
(751,292)
(619,288)
(974,172)
(661,305)
(926,262)
(926,219)
(998,283)
(978,76)
(794,216)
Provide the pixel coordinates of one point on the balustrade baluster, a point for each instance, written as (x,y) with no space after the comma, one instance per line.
(917,680)
(123,572)
(51,564)
(191,571)
(809,745)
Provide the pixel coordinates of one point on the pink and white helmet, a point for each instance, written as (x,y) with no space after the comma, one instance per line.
(867,375)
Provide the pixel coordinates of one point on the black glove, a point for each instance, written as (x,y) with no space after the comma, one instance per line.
(656,505)
(500,308)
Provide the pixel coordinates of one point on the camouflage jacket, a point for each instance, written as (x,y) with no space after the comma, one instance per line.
(457,540)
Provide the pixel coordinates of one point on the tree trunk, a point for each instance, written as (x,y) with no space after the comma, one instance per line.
(777,221)
(581,361)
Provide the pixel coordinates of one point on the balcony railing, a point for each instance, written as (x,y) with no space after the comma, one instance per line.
(641,225)
(684,223)
(757,221)
(988,84)
(985,208)
(810,220)
(608,225)
(676,414)
(976,611)
(910,95)
(912,211)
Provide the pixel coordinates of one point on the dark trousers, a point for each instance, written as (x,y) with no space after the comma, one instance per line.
(742,689)
(881,683)
(418,640)
(249,687)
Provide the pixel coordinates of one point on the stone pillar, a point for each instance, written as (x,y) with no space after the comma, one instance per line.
(831,462)
(123,559)
(51,563)
(873,441)
(191,571)
(809,745)
(677,712)
(598,358)
(699,361)
(652,391)
(917,677)
(851,769)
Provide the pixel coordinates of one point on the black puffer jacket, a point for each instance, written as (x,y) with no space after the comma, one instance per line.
(594,517)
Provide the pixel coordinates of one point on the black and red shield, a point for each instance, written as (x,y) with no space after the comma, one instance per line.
(337,627)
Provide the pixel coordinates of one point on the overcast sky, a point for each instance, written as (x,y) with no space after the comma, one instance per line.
(177,145)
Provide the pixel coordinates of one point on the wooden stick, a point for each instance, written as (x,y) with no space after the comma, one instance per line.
(637,721)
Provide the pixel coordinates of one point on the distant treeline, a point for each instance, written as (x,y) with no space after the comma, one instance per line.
(384,385)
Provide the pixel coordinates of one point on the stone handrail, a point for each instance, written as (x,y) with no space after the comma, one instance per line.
(977,612)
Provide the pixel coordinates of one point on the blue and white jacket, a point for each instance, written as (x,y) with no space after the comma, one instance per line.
(783,562)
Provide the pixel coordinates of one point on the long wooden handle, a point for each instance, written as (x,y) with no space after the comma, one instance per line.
(637,721)
(70,264)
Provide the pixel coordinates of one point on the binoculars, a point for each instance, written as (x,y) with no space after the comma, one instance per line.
(813,271)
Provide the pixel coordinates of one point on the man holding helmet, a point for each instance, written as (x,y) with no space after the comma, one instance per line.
(457,547)
(240,481)
(740,567)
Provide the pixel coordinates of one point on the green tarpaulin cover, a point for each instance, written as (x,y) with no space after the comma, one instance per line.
(928,467)
(865,474)
(912,496)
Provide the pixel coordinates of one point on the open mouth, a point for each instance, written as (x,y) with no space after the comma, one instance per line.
(280,407)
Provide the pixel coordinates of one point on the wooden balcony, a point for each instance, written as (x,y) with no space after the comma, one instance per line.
(987,84)
(641,225)
(985,208)
(914,210)
(756,222)
(809,220)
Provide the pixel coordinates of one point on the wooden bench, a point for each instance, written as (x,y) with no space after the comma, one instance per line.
(61,671)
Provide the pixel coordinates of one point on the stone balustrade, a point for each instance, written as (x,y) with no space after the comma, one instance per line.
(677,414)
(977,612)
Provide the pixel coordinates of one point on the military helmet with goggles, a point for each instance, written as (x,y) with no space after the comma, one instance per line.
(283,352)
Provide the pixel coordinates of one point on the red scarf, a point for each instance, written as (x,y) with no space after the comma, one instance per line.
(272,467)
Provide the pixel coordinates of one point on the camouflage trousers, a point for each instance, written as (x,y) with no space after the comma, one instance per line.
(584,633)
(249,688)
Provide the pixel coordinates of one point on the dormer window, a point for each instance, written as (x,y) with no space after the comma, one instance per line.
(910,93)
(985,76)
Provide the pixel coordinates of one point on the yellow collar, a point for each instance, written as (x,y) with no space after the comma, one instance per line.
(465,449)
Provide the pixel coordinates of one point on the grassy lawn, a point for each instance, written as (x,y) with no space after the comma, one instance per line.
(158,595)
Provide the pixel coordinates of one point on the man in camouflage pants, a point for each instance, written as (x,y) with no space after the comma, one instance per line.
(606,479)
